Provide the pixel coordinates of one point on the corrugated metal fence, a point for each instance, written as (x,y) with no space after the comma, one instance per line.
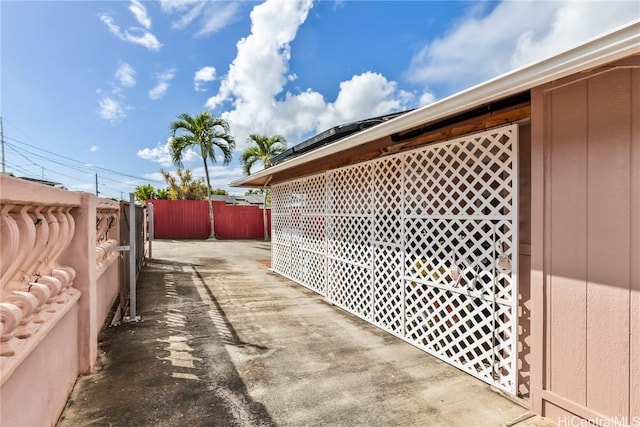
(189,219)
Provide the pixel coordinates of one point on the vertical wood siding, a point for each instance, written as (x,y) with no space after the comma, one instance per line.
(586,173)
(524,263)
(189,219)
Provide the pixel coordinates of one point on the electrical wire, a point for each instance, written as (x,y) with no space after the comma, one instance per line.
(18,167)
(79,162)
(82,169)
(66,162)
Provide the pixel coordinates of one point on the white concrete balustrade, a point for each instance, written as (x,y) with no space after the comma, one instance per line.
(58,280)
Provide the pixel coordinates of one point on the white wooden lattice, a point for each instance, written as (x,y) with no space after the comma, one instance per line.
(421,244)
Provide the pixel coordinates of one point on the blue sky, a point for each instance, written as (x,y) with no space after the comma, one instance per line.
(89,87)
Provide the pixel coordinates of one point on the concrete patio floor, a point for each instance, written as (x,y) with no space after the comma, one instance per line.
(225,342)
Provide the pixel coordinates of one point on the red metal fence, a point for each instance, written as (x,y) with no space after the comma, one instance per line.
(189,219)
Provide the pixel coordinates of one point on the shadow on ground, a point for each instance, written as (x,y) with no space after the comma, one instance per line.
(171,368)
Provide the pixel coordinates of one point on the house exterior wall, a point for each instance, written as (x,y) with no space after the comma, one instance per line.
(586,246)
(524,260)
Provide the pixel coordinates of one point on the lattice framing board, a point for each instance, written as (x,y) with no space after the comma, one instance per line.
(422,244)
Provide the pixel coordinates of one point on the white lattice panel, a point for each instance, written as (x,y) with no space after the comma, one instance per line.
(280,229)
(350,239)
(280,255)
(314,194)
(313,233)
(314,267)
(459,205)
(414,243)
(433,246)
(387,200)
(350,287)
(388,295)
(350,190)
(472,177)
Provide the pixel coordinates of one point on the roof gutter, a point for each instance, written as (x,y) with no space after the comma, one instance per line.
(598,51)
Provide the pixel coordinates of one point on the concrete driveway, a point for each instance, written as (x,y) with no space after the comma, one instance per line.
(225,342)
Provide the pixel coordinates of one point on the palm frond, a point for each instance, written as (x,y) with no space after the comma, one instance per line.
(263,149)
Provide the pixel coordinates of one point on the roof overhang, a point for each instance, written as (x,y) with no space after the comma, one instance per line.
(615,45)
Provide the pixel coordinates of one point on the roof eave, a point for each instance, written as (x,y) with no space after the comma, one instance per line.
(617,44)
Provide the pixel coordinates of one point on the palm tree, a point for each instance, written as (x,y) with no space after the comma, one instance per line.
(206,133)
(263,148)
(144,192)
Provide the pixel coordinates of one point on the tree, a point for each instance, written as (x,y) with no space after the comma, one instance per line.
(144,192)
(205,133)
(219,192)
(182,185)
(162,194)
(263,148)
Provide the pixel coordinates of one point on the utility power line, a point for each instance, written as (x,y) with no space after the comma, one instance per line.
(93,167)
(38,157)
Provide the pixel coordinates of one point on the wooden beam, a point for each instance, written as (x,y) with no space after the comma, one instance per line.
(470,126)
(385,146)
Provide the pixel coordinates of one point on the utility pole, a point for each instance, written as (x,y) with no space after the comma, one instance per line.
(97,192)
(2,139)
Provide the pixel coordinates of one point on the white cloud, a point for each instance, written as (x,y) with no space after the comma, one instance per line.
(160,89)
(216,16)
(212,16)
(513,34)
(190,10)
(111,109)
(170,6)
(573,23)
(220,176)
(427,98)
(113,103)
(155,176)
(204,74)
(94,148)
(140,12)
(365,95)
(254,85)
(132,35)
(161,154)
(125,75)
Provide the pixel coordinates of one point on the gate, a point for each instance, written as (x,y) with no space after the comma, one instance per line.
(422,244)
